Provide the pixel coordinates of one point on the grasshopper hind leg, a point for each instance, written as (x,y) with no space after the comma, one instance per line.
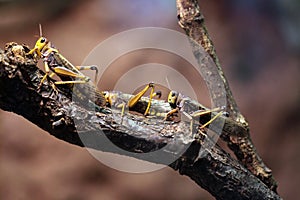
(90,67)
(205,112)
(134,100)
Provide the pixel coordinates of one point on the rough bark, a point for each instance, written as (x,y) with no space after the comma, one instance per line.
(65,119)
(238,140)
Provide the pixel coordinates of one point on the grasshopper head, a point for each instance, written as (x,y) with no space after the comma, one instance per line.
(173,98)
(108,98)
(39,45)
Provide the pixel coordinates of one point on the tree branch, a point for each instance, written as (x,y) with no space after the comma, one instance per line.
(238,140)
(56,113)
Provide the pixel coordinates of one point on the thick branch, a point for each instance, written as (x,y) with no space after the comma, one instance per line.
(67,120)
(192,21)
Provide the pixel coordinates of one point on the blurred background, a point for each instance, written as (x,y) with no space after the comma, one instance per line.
(258,43)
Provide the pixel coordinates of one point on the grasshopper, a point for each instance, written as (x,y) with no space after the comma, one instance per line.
(57,63)
(65,70)
(118,100)
(186,105)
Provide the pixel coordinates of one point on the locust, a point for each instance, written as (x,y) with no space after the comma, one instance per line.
(198,114)
(69,74)
(58,64)
(136,102)
(191,108)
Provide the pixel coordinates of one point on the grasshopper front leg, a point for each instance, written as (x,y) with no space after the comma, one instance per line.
(47,71)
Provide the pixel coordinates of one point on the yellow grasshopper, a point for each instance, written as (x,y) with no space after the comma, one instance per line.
(64,69)
(133,102)
(186,105)
(58,64)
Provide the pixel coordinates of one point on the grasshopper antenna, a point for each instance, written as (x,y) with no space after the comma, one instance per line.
(40,29)
(168,83)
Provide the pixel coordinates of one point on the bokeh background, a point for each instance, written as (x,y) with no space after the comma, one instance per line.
(258,43)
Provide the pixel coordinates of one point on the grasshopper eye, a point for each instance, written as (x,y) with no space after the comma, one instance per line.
(173,94)
(43,40)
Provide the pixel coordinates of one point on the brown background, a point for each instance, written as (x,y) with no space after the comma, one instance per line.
(258,43)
